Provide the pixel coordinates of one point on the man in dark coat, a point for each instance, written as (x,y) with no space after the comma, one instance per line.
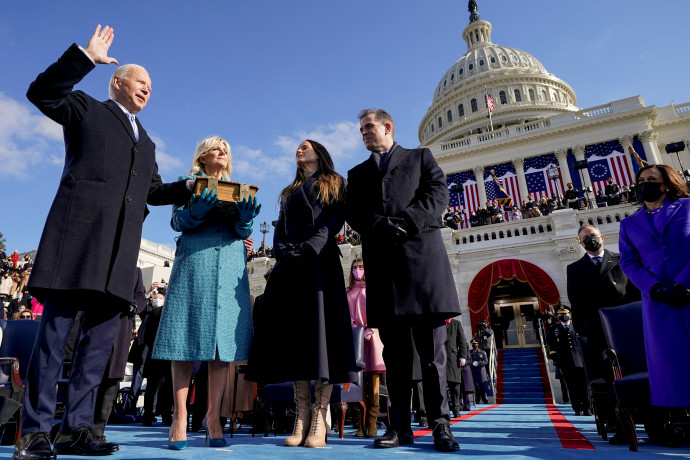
(565,354)
(394,201)
(596,281)
(89,247)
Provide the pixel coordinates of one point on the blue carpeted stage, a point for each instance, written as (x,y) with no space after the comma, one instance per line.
(504,431)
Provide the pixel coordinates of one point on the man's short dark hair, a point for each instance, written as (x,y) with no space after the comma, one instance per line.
(380,115)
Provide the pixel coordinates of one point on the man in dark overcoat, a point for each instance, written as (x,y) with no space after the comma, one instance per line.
(89,247)
(596,281)
(394,201)
(612,192)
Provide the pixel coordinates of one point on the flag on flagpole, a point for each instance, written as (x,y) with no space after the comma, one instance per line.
(489,105)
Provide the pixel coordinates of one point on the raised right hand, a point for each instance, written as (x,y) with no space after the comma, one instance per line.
(98,45)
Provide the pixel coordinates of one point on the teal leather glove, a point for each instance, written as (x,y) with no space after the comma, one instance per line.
(248,209)
(202,204)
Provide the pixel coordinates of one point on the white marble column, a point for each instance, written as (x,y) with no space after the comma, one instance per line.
(648,139)
(562,157)
(579,152)
(624,141)
(481,187)
(519,164)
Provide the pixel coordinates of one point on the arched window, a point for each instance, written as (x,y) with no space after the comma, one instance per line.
(440,123)
(531,95)
(432,127)
(543,95)
(450,116)
(518,96)
(461,110)
(473,102)
(502,97)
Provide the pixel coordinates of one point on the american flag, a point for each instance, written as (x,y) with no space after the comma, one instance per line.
(468,198)
(537,176)
(248,243)
(505,172)
(489,101)
(607,160)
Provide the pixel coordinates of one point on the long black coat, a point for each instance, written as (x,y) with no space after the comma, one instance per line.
(91,239)
(591,288)
(123,336)
(303,329)
(413,278)
(456,347)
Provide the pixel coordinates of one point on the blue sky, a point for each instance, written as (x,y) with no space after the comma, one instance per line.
(267,74)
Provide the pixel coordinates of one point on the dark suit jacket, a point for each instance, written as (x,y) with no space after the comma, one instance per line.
(90,242)
(591,288)
(413,278)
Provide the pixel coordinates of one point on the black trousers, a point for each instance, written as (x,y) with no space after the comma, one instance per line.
(402,340)
(577,387)
(95,340)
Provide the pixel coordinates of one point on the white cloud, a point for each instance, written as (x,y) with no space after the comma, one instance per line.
(167,163)
(27,141)
(342,140)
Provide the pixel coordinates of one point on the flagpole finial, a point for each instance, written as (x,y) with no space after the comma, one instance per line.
(472,8)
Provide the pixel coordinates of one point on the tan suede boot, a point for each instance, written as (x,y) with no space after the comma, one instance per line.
(303,417)
(373,381)
(358,419)
(319,428)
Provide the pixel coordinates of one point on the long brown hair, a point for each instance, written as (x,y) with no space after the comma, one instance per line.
(673,179)
(351,280)
(329,184)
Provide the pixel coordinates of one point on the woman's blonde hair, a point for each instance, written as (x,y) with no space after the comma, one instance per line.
(203,147)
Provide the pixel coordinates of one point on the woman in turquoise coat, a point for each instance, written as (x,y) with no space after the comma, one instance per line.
(655,254)
(207,312)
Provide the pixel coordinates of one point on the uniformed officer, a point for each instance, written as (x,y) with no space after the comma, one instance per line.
(479,361)
(612,191)
(571,195)
(565,354)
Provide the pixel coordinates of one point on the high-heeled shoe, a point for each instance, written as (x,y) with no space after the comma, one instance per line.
(177,445)
(216,442)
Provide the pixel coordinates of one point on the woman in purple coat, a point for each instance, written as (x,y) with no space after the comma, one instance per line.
(655,255)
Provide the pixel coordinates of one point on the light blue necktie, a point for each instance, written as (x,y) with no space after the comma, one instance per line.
(134,126)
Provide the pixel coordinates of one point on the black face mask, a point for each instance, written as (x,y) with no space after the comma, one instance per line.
(592,243)
(648,191)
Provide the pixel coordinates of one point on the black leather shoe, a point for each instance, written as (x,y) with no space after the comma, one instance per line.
(391,438)
(34,446)
(148,419)
(443,439)
(82,442)
(423,422)
(618,440)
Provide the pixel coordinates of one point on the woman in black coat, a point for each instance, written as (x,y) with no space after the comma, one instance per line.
(303,331)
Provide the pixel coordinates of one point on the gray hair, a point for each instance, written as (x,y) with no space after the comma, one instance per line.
(121,72)
(380,115)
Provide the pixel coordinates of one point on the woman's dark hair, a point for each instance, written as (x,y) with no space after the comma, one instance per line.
(329,184)
(673,179)
(351,280)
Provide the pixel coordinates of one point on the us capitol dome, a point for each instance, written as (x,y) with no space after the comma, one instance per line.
(521,87)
